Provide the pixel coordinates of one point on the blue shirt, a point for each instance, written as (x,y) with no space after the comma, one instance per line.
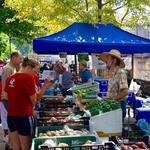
(67,80)
(85,75)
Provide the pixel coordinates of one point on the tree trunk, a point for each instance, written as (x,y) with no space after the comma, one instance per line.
(100,5)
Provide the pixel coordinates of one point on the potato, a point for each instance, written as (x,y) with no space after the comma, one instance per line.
(141,144)
(134,146)
(124,147)
(63,145)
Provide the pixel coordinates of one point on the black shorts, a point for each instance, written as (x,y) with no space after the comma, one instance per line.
(23,125)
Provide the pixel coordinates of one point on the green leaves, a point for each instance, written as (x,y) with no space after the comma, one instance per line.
(58,14)
(102,106)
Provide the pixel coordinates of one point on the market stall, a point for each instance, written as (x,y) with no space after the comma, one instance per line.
(73,40)
(100,38)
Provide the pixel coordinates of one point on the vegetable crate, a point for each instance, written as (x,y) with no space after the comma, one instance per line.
(44,129)
(86,90)
(107,124)
(52,106)
(130,140)
(71,141)
(61,121)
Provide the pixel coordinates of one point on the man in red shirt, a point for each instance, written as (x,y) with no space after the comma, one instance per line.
(22,97)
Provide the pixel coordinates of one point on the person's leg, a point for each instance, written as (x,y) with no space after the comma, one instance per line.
(3,113)
(123,107)
(26,131)
(16,144)
(26,142)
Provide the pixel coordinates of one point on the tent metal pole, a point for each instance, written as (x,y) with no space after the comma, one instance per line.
(75,59)
(132,65)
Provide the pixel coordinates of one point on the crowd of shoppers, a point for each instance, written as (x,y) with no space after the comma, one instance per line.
(22,97)
(22,90)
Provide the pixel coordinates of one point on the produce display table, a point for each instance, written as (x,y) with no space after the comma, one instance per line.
(95,117)
(108,124)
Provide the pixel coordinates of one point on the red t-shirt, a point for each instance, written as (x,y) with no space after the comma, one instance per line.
(20,87)
(37,81)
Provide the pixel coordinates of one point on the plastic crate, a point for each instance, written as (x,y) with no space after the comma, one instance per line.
(102,94)
(130,140)
(54,113)
(85,86)
(52,106)
(43,129)
(103,88)
(143,113)
(103,85)
(77,147)
(61,122)
(131,97)
(139,103)
(71,141)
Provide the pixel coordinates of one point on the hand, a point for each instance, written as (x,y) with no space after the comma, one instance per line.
(47,84)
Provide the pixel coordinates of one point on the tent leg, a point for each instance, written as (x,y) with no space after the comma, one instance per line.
(75,59)
(133,66)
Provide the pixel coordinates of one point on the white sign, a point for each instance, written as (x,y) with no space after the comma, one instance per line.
(50,75)
(96,63)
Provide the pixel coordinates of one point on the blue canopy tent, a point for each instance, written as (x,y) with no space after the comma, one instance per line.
(84,37)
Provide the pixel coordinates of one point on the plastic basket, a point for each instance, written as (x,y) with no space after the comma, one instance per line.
(61,122)
(51,106)
(129,140)
(71,141)
(59,113)
(43,129)
(102,94)
(103,85)
(84,86)
(77,147)
(143,113)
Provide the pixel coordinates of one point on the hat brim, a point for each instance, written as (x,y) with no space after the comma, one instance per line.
(105,55)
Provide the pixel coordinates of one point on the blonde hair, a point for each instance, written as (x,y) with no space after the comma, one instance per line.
(29,62)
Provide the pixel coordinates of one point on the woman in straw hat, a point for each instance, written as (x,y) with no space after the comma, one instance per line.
(117,86)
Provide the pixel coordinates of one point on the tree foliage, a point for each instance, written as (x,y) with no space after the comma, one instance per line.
(20,29)
(5,47)
(15,28)
(26,19)
(56,14)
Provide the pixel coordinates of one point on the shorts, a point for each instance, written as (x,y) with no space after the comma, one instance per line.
(23,125)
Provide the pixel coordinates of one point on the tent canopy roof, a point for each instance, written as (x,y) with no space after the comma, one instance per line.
(84,37)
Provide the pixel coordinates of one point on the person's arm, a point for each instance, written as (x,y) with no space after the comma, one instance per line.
(5,74)
(33,99)
(123,94)
(37,96)
(45,86)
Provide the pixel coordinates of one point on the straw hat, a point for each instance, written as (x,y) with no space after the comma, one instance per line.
(114,53)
